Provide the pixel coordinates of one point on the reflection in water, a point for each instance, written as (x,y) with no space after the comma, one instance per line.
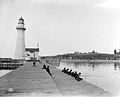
(117,66)
(104,75)
(90,65)
(93,66)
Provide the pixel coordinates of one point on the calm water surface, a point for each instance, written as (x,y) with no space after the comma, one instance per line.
(104,75)
(3,72)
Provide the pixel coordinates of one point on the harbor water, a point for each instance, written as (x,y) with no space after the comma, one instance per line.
(3,72)
(104,75)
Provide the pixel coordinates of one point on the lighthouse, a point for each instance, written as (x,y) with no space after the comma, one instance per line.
(20,44)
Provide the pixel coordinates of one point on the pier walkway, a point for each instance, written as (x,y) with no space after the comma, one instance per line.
(35,81)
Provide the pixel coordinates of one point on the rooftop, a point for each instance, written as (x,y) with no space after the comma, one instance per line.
(32,49)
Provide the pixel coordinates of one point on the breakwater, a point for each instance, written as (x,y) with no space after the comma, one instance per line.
(30,80)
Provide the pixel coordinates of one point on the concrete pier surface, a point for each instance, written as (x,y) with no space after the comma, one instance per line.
(30,81)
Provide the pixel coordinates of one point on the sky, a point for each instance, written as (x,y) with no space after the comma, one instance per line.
(61,26)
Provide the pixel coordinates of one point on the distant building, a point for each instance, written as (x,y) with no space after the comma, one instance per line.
(76,52)
(32,53)
(117,52)
(93,52)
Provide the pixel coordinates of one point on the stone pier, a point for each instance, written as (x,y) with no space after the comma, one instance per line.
(35,81)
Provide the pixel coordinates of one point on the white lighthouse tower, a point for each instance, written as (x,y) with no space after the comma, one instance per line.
(20,45)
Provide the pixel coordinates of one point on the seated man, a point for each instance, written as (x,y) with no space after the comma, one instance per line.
(64,69)
(72,74)
(77,76)
(44,66)
(69,73)
(79,73)
(34,64)
(48,70)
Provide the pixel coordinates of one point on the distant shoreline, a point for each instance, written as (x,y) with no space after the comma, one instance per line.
(90,61)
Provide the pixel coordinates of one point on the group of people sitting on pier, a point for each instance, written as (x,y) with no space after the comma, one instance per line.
(73,74)
(47,69)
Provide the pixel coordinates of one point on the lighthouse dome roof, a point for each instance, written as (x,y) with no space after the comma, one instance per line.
(21,19)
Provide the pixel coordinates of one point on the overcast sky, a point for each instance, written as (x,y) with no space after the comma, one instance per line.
(61,26)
